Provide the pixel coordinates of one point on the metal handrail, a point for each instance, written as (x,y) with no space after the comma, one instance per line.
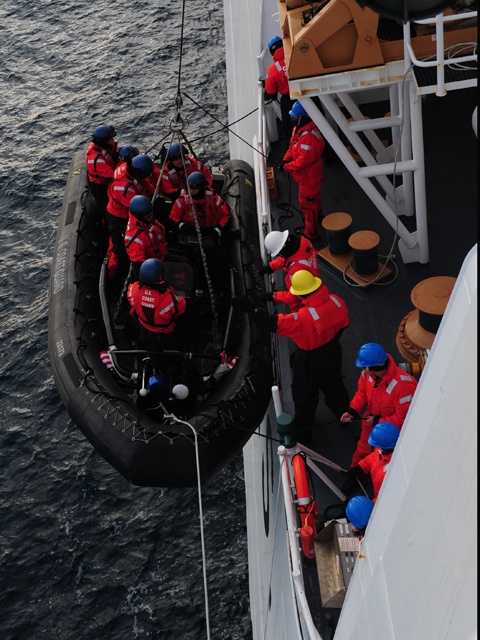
(439,61)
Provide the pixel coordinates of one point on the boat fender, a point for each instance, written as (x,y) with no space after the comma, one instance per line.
(180,392)
(106,358)
(306,505)
(226,364)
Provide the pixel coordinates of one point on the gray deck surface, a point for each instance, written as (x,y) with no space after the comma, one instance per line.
(376,312)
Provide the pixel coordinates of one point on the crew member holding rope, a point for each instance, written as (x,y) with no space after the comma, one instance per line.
(211,212)
(384,394)
(291,253)
(317,358)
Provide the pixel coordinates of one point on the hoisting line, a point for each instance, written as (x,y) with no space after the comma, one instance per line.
(204,560)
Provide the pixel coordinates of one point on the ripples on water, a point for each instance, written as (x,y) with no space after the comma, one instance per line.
(85,554)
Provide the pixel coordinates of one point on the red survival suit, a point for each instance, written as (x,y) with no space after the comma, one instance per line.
(123,188)
(388,399)
(101,163)
(211,211)
(277,82)
(304,258)
(156,309)
(303,160)
(145,240)
(376,464)
(317,359)
(174,178)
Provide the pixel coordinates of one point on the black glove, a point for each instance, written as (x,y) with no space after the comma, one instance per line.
(218,230)
(350,484)
(182,227)
(243,304)
(264,269)
(281,167)
(267,296)
(259,315)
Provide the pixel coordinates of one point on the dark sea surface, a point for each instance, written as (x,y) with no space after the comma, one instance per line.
(83,553)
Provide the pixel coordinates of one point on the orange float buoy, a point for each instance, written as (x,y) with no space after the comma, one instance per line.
(306,505)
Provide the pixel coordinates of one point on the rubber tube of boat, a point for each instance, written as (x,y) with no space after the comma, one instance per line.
(306,506)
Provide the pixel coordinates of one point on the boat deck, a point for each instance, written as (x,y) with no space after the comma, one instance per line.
(377,310)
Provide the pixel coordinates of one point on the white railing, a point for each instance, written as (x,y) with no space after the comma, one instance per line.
(261,145)
(293,539)
(440,61)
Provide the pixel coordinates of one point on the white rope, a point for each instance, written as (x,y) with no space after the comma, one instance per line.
(204,561)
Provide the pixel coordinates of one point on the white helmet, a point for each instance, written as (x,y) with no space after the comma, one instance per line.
(275,241)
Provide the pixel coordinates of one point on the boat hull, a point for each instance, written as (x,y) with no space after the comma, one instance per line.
(145,452)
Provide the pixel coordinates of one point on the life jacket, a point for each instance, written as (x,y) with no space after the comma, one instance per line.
(320,319)
(389,397)
(145,240)
(122,189)
(277,78)
(100,164)
(211,210)
(156,310)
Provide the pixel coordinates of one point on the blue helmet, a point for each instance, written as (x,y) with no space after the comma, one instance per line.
(197,180)
(384,435)
(151,271)
(142,166)
(274,43)
(103,133)
(297,110)
(358,510)
(127,152)
(371,354)
(176,150)
(140,207)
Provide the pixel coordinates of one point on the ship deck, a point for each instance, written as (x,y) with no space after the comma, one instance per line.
(376,311)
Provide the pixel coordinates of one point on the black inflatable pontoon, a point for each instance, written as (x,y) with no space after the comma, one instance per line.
(127,420)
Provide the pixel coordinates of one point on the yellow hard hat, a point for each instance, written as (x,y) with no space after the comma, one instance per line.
(304,282)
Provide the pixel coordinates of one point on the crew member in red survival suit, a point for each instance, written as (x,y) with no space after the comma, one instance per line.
(303,160)
(276,82)
(211,211)
(155,307)
(101,160)
(129,181)
(144,237)
(178,167)
(383,437)
(384,394)
(317,357)
(291,253)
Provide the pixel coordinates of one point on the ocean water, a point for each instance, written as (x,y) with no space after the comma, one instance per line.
(83,553)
